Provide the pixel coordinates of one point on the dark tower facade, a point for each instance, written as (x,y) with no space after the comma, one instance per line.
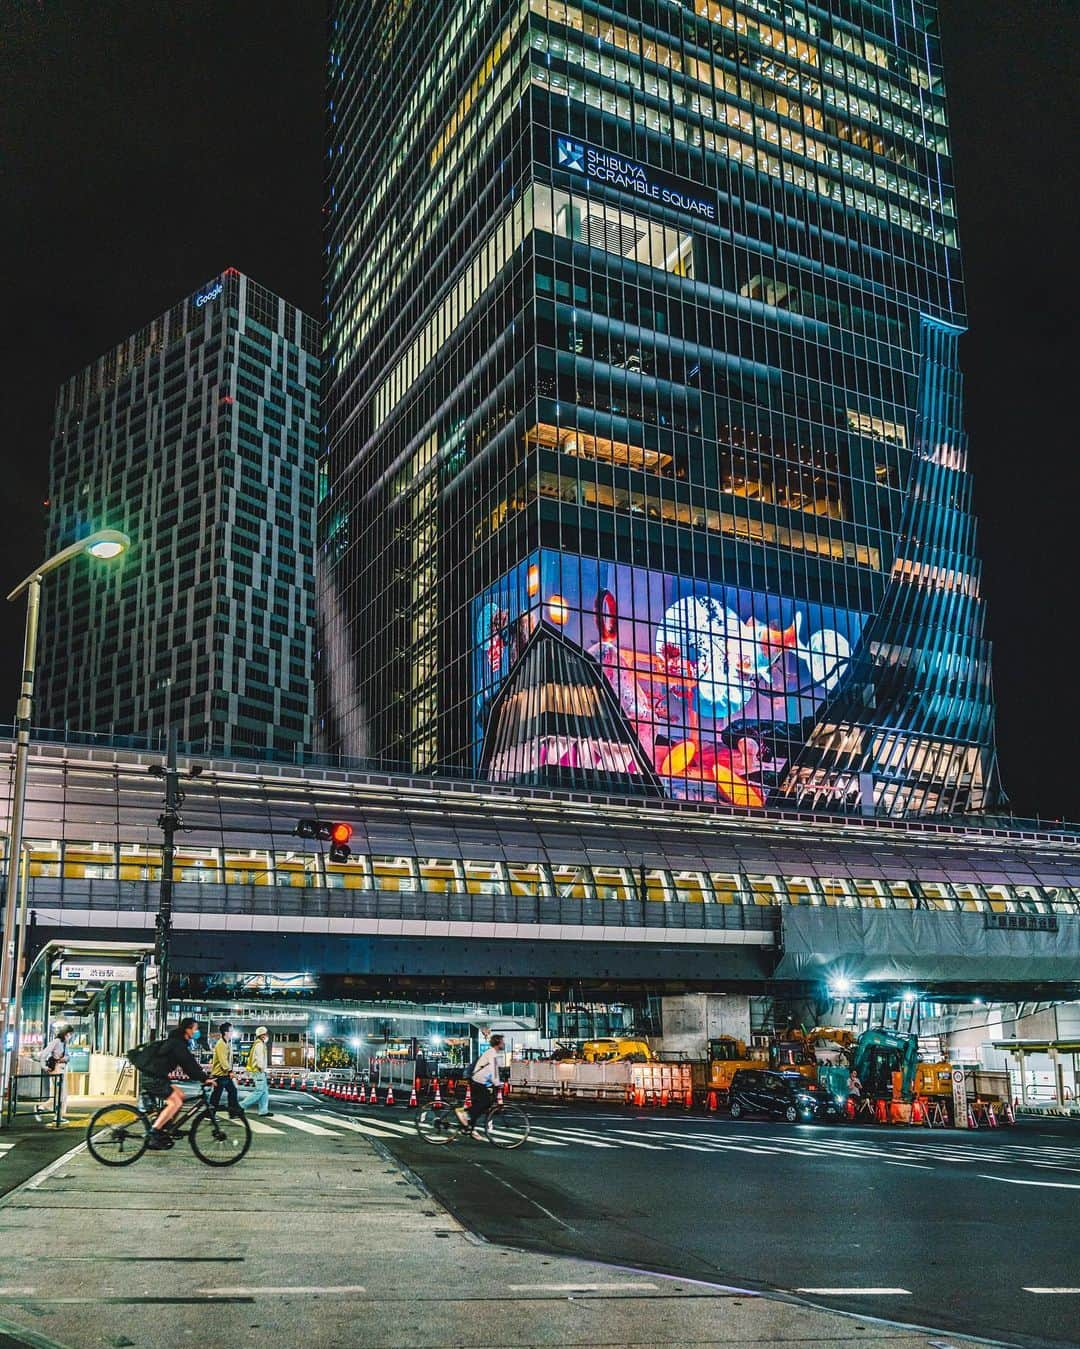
(198,436)
(646,466)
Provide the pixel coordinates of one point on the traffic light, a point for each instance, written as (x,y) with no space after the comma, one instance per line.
(339,842)
(336,834)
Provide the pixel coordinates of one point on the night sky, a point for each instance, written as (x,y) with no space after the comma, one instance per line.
(147,146)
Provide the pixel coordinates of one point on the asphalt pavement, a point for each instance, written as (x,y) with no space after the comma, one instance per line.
(320,1237)
(970,1233)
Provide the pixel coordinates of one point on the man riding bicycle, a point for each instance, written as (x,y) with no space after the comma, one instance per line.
(159,1060)
(483,1082)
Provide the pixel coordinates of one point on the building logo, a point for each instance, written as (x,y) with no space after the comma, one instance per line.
(210,293)
(571,154)
(628,175)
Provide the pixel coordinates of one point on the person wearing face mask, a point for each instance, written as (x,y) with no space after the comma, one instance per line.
(156,1061)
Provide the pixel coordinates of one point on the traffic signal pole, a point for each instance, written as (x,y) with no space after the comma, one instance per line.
(169,822)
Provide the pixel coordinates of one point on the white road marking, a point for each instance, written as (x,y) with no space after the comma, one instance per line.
(914,1166)
(1072,1291)
(573,1138)
(393,1125)
(857,1292)
(1043,1184)
(353,1126)
(580,1287)
(240,1290)
(305,1126)
(258,1127)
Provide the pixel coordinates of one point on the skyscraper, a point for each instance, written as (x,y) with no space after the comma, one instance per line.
(646,467)
(198,436)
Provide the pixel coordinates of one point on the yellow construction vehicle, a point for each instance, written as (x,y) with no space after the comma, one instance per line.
(726,1056)
(617,1050)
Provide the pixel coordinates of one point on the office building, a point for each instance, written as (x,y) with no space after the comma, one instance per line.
(197,436)
(646,469)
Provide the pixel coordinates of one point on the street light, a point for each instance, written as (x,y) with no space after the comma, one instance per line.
(102,544)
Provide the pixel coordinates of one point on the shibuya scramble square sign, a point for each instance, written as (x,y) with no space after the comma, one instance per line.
(604,166)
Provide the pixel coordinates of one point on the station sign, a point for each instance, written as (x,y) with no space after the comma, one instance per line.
(959,1098)
(97,972)
(630,175)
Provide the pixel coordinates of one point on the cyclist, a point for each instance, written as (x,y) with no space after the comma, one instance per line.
(161,1058)
(484,1080)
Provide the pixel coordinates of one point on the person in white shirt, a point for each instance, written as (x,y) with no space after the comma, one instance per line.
(54,1059)
(256,1065)
(484,1082)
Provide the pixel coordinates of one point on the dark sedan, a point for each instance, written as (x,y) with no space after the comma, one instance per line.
(787,1096)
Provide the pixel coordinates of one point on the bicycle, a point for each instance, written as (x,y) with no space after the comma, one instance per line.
(117,1135)
(505,1126)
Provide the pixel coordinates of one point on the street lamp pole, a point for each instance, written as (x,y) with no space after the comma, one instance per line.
(104,543)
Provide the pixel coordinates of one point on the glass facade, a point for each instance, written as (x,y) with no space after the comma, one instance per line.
(645,454)
(197,436)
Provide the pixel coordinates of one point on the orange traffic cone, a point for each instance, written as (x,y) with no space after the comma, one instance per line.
(390,1094)
(438,1094)
(918,1114)
(499,1095)
(412,1096)
(664,1098)
(468,1095)
(881,1112)
(712,1102)
(688,1099)
(639,1097)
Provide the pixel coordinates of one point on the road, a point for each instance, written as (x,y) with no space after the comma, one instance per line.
(942,1229)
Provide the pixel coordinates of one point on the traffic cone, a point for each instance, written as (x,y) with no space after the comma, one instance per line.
(881,1112)
(991,1118)
(363,1094)
(438,1094)
(499,1096)
(971,1121)
(639,1097)
(712,1102)
(412,1096)
(664,1097)
(390,1094)
(468,1095)
(688,1099)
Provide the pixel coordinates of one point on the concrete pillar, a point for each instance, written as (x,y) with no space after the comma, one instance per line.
(690,1020)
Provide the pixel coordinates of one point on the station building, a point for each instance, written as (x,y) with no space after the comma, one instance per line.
(573,917)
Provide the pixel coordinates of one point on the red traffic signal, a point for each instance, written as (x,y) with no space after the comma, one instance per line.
(340,833)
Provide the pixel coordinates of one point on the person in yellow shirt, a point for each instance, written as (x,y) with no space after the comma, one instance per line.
(221,1069)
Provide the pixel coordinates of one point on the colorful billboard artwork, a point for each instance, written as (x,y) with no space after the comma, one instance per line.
(721,685)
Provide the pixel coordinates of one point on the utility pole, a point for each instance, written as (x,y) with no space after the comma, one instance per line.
(169,822)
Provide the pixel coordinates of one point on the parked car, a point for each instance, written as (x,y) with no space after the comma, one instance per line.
(782,1095)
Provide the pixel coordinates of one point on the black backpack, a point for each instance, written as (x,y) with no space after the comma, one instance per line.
(148,1057)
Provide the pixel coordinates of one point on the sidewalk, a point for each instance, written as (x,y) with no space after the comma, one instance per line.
(327,1243)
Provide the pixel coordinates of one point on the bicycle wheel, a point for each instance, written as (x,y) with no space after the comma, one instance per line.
(507,1126)
(117,1135)
(220,1140)
(437,1124)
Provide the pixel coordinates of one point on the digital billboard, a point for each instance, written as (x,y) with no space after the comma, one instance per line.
(720,685)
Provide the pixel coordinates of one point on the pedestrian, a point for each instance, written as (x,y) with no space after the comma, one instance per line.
(256,1066)
(221,1068)
(54,1060)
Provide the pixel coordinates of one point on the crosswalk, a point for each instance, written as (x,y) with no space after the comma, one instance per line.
(1057,1161)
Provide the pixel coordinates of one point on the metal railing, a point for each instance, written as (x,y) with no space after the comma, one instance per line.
(289,902)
